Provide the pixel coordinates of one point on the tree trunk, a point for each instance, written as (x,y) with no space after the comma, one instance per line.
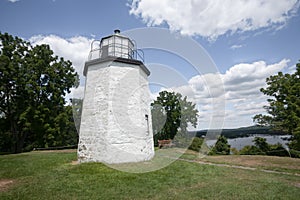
(20,142)
(18,138)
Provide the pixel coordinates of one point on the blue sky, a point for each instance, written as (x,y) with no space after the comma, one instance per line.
(247,40)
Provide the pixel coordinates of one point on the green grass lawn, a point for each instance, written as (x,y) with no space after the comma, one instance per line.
(51,175)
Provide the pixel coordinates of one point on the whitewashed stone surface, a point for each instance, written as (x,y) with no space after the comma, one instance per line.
(114,127)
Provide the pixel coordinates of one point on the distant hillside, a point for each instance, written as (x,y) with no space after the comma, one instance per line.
(239,132)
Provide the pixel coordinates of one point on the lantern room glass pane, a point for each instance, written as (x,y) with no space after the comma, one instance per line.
(117,40)
(110,50)
(124,41)
(118,46)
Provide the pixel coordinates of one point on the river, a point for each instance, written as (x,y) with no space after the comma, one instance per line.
(239,143)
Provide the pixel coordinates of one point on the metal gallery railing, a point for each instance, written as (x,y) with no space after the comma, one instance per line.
(115,50)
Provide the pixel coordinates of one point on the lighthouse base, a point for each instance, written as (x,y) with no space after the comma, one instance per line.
(116,118)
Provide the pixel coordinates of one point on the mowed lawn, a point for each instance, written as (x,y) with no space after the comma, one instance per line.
(53,175)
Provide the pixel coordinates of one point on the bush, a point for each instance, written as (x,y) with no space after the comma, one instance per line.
(295,153)
(277,150)
(251,150)
(263,148)
(221,147)
(196,144)
(234,151)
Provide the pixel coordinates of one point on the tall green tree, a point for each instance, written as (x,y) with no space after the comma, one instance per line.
(171,114)
(33,83)
(284,105)
(221,147)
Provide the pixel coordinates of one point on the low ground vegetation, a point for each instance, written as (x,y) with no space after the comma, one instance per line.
(261,147)
(51,175)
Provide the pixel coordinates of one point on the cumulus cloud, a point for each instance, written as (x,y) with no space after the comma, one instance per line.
(13,1)
(75,49)
(214,18)
(240,90)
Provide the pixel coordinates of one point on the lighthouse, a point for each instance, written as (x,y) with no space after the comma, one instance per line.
(115,123)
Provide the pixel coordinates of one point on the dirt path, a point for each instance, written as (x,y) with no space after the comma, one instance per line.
(5,184)
(237,167)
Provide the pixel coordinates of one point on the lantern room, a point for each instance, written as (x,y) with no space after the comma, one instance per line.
(115,45)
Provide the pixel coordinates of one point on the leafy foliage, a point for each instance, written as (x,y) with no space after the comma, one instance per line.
(261,147)
(221,147)
(196,144)
(262,120)
(172,114)
(278,150)
(261,144)
(250,150)
(284,106)
(33,83)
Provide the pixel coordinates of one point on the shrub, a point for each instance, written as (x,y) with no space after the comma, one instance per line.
(221,147)
(294,153)
(251,150)
(196,144)
(234,151)
(263,148)
(277,150)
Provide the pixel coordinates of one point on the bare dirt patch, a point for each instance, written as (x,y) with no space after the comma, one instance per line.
(74,162)
(297,185)
(5,184)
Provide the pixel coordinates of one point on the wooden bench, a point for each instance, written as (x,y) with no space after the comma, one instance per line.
(165,143)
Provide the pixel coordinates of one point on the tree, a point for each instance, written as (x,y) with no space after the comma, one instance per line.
(221,147)
(33,83)
(172,114)
(262,120)
(261,143)
(284,105)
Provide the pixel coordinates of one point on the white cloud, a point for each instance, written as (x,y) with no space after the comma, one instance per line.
(242,84)
(214,18)
(75,49)
(13,1)
(240,91)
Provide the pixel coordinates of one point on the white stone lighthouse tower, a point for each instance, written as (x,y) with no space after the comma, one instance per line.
(116,119)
